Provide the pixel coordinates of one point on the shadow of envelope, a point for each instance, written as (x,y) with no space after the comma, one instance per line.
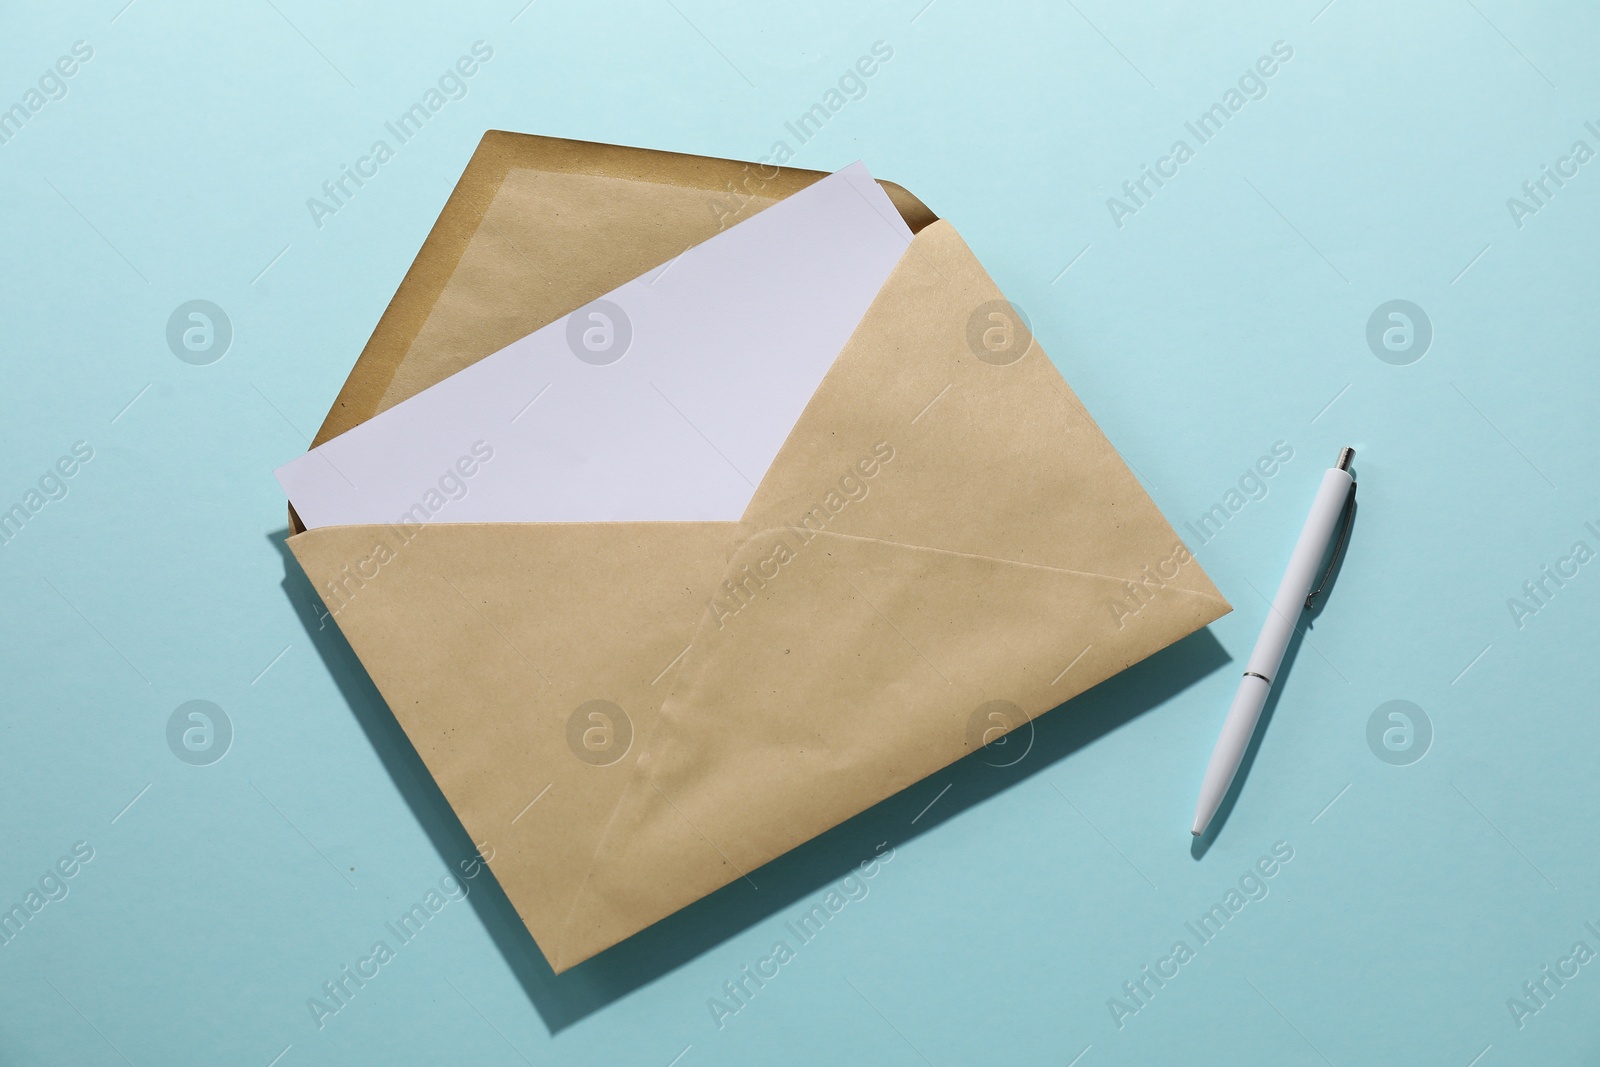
(631,715)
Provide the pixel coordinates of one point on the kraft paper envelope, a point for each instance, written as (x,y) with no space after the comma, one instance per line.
(627,716)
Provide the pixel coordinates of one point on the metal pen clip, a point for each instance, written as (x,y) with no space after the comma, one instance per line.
(1345,457)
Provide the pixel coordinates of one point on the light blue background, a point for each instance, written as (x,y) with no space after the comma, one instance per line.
(1228,314)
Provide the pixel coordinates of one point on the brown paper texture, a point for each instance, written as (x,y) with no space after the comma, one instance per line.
(938,532)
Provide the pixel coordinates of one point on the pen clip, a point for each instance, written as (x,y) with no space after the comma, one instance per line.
(1338,548)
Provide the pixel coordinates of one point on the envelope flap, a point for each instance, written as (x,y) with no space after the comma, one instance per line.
(536,227)
(924,434)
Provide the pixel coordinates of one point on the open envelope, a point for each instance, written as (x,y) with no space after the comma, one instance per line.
(627,716)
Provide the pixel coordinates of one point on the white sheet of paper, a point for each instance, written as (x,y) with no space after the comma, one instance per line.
(666,400)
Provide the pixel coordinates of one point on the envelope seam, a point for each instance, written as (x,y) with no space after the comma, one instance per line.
(979,556)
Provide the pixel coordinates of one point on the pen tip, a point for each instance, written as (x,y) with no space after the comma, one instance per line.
(1345,456)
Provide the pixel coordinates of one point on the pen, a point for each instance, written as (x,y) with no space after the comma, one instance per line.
(1337,494)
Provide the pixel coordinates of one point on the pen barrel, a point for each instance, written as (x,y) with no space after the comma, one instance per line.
(1237,729)
(1309,551)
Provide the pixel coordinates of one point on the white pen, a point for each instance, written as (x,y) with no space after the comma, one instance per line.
(1336,495)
